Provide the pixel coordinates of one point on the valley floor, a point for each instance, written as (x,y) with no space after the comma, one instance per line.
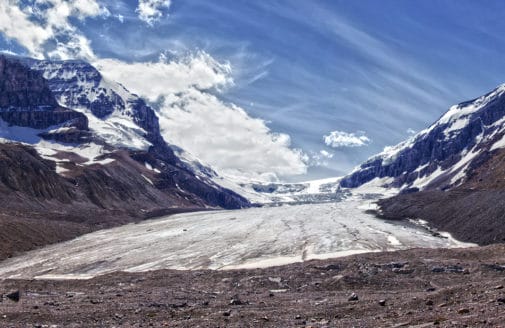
(420,288)
(250,238)
(158,273)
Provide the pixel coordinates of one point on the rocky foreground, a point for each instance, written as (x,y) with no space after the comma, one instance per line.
(414,288)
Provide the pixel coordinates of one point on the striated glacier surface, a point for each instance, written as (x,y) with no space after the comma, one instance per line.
(249,238)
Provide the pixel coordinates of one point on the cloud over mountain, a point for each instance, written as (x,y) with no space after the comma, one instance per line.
(44,27)
(194,118)
(338,139)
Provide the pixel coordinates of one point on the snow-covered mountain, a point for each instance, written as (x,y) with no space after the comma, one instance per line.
(444,155)
(81,124)
(278,193)
(93,117)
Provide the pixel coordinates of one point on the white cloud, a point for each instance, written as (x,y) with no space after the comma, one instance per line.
(337,139)
(46,21)
(326,154)
(220,134)
(226,137)
(154,79)
(411,131)
(320,158)
(151,11)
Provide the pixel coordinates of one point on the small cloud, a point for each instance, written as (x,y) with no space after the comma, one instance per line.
(319,158)
(151,11)
(411,131)
(338,139)
(326,154)
(120,18)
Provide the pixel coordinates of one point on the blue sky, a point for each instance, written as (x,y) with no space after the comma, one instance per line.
(371,71)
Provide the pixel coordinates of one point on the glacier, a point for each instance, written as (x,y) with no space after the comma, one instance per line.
(222,240)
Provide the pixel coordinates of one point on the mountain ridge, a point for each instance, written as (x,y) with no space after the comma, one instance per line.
(82,164)
(440,156)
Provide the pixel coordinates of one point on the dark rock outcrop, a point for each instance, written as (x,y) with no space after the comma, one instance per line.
(26,99)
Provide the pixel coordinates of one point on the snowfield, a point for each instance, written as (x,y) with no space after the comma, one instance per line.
(249,238)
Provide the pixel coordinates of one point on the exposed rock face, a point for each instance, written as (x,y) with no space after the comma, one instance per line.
(78,84)
(465,149)
(472,211)
(23,88)
(23,171)
(472,127)
(27,101)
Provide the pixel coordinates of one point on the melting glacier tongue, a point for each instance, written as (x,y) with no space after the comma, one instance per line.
(247,238)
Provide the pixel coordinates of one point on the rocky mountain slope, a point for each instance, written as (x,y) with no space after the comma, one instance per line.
(445,154)
(82,151)
(452,174)
(473,211)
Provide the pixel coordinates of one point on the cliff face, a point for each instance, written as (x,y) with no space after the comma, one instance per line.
(27,101)
(442,155)
(23,88)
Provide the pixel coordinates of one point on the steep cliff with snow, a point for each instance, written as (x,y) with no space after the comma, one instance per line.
(444,155)
(98,141)
(451,175)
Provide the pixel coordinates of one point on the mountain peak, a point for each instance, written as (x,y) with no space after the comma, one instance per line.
(86,126)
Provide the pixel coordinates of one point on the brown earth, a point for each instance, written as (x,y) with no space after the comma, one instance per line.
(39,206)
(473,211)
(420,288)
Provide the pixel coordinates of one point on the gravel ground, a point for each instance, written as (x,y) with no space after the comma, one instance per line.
(417,288)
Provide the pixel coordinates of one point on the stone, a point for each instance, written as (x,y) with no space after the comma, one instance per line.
(235,300)
(353,297)
(14,296)
(463,311)
(403,270)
